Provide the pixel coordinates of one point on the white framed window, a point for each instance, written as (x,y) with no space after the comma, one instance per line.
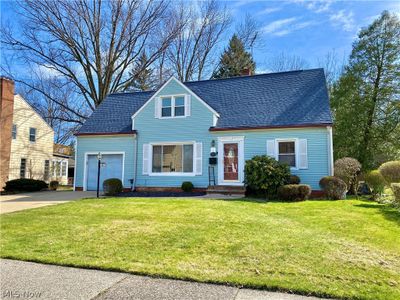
(287,152)
(59,168)
(32,134)
(172,158)
(293,151)
(174,106)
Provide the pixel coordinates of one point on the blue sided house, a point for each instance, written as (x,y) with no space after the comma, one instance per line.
(204,131)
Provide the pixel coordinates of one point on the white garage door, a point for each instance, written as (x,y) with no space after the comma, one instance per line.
(111,167)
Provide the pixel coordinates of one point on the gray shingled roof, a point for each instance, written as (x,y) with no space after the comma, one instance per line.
(292,98)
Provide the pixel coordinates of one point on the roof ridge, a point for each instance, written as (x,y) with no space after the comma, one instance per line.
(129,93)
(255,75)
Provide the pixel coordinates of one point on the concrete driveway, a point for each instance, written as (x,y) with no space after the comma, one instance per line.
(10,203)
(28,280)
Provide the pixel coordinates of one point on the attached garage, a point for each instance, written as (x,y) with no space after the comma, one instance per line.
(112,166)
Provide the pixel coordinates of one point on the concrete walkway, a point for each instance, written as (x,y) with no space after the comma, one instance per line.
(38,281)
(10,203)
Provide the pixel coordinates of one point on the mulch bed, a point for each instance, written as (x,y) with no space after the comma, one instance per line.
(161,194)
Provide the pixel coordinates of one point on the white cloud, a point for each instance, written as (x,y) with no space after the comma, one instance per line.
(285,26)
(318,6)
(343,19)
(269,10)
(277,25)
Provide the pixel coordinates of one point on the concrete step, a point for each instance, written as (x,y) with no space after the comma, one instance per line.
(226,190)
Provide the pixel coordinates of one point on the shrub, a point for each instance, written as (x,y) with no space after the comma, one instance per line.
(294,179)
(53,185)
(333,187)
(112,186)
(347,169)
(391,171)
(25,185)
(294,192)
(375,182)
(187,186)
(263,174)
(396,192)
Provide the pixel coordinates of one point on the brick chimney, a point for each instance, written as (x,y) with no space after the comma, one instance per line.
(246,72)
(6,122)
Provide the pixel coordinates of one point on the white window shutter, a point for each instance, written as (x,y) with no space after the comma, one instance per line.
(157,107)
(187,105)
(198,161)
(146,159)
(303,157)
(271,148)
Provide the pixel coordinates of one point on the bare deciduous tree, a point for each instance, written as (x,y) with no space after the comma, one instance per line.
(286,62)
(202,24)
(249,33)
(90,45)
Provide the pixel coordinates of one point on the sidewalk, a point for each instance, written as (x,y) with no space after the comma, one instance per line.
(25,280)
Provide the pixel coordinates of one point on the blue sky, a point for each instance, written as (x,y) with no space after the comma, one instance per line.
(307,29)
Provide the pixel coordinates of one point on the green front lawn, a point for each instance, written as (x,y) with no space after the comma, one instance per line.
(348,249)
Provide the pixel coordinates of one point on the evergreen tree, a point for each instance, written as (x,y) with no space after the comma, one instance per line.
(143,75)
(235,61)
(366,98)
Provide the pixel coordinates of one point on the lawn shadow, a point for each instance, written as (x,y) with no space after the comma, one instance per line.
(389,212)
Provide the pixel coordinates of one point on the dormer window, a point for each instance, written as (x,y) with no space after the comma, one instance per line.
(174,106)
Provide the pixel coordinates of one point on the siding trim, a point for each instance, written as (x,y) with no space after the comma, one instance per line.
(269,127)
(330,151)
(133,132)
(102,152)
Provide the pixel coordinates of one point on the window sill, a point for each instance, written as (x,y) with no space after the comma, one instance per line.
(173,174)
(178,117)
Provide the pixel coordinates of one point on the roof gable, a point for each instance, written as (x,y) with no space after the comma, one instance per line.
(173,87)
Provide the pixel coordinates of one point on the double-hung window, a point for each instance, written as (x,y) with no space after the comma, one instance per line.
(287,152)
(172,106)
(32,135)
(172,158)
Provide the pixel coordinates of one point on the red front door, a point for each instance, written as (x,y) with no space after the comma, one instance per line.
(231,161)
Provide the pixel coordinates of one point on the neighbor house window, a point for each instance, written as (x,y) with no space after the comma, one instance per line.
(14,131)
(173,106)
(172,158)
(32,134)
(287,153)
(59,168)
(64,168)
(22,168)
(46,170)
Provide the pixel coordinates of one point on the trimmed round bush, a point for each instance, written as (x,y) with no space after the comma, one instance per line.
(333,187)
(294,192)
(376,183)
(294,179)
(396,192)
(391,171)
(347,169)
(53,185)
(264,174)
(112,186)
(25,185)
(187,186)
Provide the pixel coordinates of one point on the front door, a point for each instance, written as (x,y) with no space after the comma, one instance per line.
(231,162)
